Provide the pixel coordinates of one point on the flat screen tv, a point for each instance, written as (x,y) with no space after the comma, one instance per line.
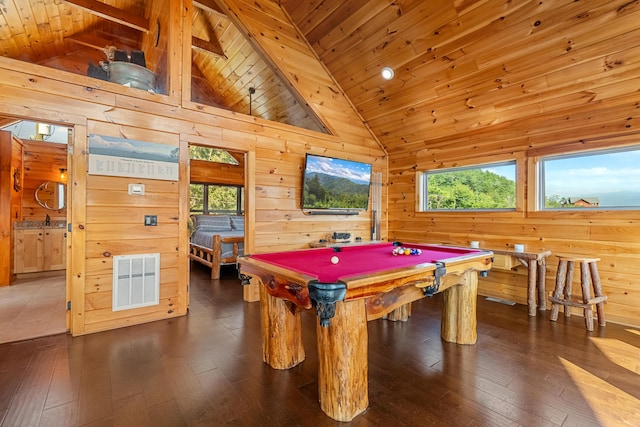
(334,185)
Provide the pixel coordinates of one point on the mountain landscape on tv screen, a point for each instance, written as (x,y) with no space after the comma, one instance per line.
(322,191)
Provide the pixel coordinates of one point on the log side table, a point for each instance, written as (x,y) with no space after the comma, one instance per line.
(536,263)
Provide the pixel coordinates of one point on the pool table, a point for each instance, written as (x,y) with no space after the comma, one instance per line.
(365,282)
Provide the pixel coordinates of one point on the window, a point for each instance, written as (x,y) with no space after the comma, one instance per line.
(213,198)
(488,186)
(211,155)
(605,179)
(227,72)
(216,199)
(126,43)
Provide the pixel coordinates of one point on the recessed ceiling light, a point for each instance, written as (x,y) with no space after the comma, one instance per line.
(387,73)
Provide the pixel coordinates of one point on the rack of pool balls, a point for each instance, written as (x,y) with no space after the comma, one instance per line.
(405,251)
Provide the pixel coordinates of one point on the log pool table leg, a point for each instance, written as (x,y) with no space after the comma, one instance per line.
(459,311)
(282,346)
(343,362)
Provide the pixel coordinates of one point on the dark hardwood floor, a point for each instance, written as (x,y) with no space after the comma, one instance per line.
(206,369)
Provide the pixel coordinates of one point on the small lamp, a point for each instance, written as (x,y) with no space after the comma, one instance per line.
(62,174)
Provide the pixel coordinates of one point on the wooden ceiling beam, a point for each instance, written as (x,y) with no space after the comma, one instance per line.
(209,6)
(239,157)
(90,41)
(212,46)
(8,121)
(112,14)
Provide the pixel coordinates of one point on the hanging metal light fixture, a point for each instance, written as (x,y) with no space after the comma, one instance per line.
(252,90)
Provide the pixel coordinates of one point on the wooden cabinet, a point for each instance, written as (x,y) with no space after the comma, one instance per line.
(39,249)
(55,254)
(504,262)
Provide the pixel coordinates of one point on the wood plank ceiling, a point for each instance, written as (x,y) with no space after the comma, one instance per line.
(68,34)
(463,68)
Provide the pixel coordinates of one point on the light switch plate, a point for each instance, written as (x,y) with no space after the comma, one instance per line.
(150,220)
(136,189)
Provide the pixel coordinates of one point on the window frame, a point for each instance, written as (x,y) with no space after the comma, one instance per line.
(205,199)
(540,178)
(574,147)
(421,176)
(230,161)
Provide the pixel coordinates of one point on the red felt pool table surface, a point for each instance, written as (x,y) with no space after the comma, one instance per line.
(357,260)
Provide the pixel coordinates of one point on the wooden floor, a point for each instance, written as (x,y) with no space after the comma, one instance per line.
(205,369)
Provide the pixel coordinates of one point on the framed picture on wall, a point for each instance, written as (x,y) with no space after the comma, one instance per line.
(114,156)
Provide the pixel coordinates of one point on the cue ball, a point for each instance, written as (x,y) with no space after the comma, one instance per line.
(335,260)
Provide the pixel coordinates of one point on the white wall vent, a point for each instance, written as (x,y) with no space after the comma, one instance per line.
(136,281)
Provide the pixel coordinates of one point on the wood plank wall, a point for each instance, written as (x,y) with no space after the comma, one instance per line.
(203,171)
(115,226)
(38,162)
(278,215)
(274,34)
(613,236)
(109,223)
(280,223)
(155,43)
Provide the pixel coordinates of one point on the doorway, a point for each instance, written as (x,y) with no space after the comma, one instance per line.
(35,217)
(217,190)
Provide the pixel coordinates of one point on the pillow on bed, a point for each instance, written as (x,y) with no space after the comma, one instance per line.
(213,223)
(237,223)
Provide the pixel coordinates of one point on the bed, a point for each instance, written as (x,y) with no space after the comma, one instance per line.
(217,240)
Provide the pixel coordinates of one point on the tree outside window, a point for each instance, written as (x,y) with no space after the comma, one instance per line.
(216,199)
(491,186)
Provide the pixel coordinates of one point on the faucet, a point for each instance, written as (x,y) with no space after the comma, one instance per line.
(47,220)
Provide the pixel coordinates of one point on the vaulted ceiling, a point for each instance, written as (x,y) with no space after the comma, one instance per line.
(462,67)
(467,67)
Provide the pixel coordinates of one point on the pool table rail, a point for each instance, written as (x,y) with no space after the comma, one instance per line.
(381,304)
(420,275)
(278,282)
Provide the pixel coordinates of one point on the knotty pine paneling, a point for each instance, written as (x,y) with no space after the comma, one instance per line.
(101,266)
(613,236)
(278,37)
(155,43)
(97,249)
(111,221)
(219,173)
(280,223)
(521,71)
(114,225)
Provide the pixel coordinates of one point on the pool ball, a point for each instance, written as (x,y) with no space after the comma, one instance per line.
(335,260)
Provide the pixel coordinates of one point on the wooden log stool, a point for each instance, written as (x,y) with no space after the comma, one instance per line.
(588,278)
